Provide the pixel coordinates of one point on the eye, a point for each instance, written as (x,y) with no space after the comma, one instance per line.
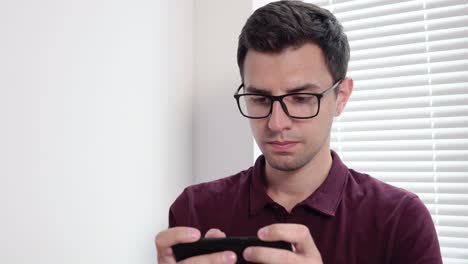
(301,98)
(258,99)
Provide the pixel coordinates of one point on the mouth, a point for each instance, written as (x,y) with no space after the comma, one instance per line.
(282,145)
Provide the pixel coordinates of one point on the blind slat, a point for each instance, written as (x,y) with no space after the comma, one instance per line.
(410,38)
(409,70)
(409,92)
(403,60)
(388,51)
(421,26)
(402,145)
(406,155)
(417,80)
(365,137)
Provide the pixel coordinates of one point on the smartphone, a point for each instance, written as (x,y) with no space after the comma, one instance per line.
(235,244)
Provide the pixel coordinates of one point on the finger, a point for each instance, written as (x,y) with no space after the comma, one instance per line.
(169,237)
(175,235)
(215,233)
(225,257)
(298,235)
(270,255)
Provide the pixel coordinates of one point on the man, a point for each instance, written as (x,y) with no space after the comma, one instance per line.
(293,60)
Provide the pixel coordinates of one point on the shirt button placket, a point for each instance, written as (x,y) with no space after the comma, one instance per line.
(283,215)
(280,213)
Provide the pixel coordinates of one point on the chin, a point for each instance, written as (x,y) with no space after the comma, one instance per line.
(290,161)
(284,162)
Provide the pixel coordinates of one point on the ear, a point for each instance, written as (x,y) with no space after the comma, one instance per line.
(346,88)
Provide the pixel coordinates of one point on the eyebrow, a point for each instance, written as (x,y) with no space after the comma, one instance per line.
(302,88)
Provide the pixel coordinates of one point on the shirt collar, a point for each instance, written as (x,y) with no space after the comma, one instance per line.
(325,199)
(258,195)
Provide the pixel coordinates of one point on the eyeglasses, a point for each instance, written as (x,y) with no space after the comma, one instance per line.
(295,105)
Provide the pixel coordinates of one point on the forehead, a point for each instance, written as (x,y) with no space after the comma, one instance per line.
(290,68)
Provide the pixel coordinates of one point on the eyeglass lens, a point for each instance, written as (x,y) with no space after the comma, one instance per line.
(297,105)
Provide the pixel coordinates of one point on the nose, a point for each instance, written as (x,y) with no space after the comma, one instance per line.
(278,120)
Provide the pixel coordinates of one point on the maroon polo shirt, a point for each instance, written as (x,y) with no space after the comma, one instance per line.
(352,217)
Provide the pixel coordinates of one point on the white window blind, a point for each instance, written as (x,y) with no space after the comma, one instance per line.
(407,120)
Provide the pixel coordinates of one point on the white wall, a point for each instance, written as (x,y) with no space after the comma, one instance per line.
(91,155)
(221,136)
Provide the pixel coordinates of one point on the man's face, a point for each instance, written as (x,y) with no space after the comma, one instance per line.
(289,144)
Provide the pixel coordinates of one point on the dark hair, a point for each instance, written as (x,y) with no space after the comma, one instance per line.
(283,24)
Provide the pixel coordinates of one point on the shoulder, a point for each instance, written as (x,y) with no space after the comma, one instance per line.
(219,187)
(378,203)
(198,201)
(399,215)
(364,187)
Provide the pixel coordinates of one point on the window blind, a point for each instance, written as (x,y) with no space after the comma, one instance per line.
(407,120)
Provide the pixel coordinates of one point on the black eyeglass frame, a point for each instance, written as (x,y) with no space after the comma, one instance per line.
(279,98)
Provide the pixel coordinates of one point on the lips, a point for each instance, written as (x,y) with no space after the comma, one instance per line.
(282,145)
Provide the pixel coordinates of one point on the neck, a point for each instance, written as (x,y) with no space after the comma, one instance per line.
(289,188)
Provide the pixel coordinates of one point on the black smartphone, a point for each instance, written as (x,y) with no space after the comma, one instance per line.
(212,245)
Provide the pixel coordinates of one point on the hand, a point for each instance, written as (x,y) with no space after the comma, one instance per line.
(305,250)
(169,237)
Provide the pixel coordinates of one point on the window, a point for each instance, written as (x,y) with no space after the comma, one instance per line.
(407,120)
